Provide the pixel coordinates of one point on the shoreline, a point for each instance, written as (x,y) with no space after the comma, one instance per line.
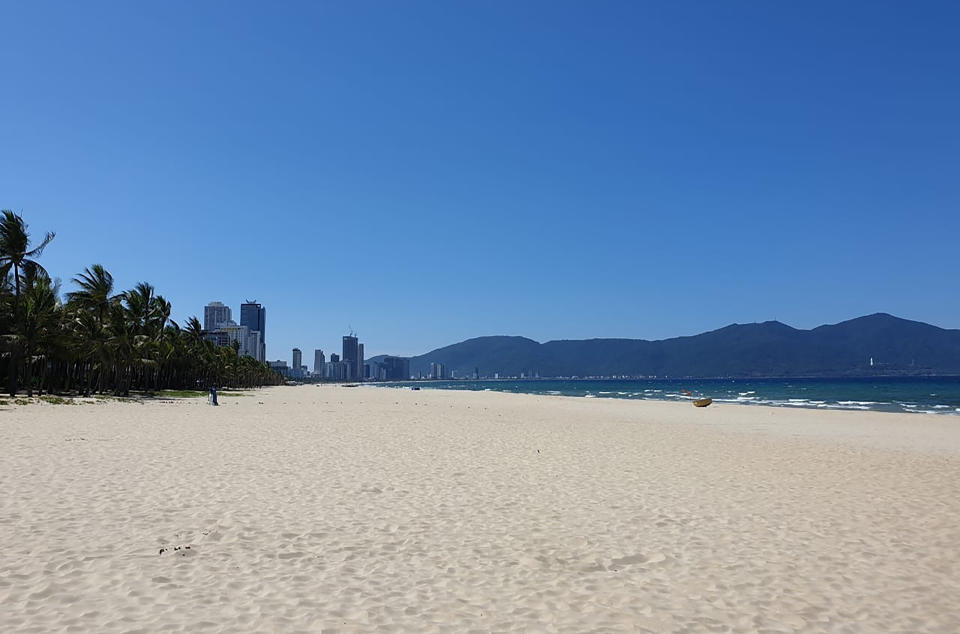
(940,434)
(180,395)
(854,405)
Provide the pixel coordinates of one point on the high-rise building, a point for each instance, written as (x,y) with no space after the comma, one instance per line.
(334,358)
(297,357)
(239,335)
(359,364)
(215,314)
(247,343)
(351,353)
(336,370)
(394,369)
(223,331)
(318,361)
(218,337)
(281,367)
(254,317)
(255,347)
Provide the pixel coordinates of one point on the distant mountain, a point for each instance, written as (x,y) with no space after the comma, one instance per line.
(897,347)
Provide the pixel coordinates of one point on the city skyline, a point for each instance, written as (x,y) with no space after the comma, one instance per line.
(350,367)
(249,335)
(638,171)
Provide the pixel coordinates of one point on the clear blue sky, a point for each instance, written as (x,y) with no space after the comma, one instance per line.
(429,172)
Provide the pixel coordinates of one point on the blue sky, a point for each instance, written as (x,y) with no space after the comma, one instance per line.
(429,172)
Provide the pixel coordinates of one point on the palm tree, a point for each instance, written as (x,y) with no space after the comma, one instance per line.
(123,344)
(140,303)
(90,308)
(15,251)
(96,291)
(194,330)
(40,324)
(16,254)
(91,341)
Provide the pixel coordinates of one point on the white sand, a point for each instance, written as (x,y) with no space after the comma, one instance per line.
(336,509)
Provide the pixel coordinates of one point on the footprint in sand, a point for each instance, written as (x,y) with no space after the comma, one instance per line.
(639,558)
(627,561)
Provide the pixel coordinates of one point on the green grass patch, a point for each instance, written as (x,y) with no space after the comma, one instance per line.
(22,401)
(104,398)
(56,400)
(181,393)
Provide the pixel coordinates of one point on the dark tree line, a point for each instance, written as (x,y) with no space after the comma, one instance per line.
(98,340)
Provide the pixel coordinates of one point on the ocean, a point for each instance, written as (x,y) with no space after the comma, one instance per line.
(929,395)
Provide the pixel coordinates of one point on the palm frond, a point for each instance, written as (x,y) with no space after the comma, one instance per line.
(47,239)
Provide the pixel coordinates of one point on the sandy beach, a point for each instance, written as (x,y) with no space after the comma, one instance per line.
(309,509)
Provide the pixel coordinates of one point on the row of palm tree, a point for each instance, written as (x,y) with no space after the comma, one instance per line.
(97,339)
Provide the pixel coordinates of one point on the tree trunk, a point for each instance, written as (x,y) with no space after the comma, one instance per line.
(86,392)
(28,373)
(14,368)
(43,374)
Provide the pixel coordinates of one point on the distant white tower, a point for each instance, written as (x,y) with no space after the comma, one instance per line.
(871,362)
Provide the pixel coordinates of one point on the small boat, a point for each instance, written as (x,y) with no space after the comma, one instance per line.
(702,402)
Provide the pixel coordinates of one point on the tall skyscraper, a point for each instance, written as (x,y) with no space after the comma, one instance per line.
(360,376)
(255,345)
(318,361)
(215,314)
(297,358)
(254,317)
(351,354)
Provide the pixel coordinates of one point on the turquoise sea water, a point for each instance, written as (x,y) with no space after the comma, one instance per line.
(933,395)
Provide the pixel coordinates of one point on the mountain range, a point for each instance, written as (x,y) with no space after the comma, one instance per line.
(878,344)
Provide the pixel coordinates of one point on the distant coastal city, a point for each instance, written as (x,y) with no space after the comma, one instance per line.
(249,339)
(870,346)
